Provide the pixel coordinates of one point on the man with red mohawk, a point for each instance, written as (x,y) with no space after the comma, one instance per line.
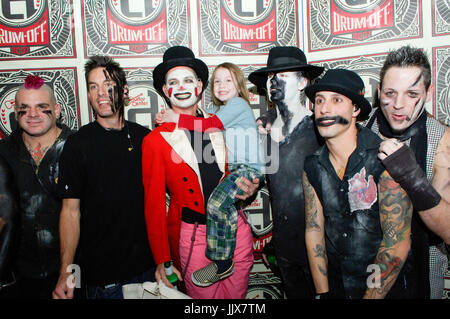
(33,151)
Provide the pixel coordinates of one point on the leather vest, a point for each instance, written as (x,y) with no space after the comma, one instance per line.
(37,252)
(350,206)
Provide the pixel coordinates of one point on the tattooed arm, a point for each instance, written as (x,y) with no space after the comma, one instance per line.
(315,237)
(395,217)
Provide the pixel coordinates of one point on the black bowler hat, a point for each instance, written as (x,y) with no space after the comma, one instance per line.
(284,59)
(345,82)
(178,56)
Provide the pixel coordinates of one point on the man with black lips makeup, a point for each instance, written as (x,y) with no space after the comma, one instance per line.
(33,151)
(292,134)
(357,218)
(103,198)
(416,152)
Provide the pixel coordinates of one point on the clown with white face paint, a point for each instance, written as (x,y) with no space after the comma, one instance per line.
(235,118)
(182,87)
(189,164)
(416,152)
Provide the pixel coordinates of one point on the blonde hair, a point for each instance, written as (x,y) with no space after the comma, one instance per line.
(238,77)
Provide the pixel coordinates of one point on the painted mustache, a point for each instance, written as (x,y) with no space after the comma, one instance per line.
(334,120)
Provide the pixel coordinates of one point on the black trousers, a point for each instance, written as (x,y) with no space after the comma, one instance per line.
(30,288)
(296,278)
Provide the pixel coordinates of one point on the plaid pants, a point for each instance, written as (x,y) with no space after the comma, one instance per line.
(222,215)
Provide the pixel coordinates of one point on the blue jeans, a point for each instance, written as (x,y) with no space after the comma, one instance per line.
(114,291)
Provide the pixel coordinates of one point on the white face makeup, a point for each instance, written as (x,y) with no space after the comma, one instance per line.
(182,87)
(285,86)
(403,96)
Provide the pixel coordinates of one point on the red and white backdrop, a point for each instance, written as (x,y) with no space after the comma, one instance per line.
(54,38)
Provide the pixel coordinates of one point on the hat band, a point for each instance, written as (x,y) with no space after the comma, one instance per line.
(284,61)
(182,59)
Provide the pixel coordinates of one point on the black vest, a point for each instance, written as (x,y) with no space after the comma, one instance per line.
(350,207)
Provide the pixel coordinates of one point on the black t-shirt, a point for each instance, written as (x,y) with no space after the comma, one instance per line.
(98,167)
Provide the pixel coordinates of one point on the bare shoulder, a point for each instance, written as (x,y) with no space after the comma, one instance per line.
(442,160)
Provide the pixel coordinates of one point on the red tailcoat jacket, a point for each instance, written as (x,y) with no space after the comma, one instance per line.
(169,163)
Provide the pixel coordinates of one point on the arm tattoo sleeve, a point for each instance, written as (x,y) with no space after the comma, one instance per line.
(315,237)
(395,218)
(319,252)
(310,206)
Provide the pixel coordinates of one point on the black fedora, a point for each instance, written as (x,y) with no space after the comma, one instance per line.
(178,56)
(345,82)
(287,58)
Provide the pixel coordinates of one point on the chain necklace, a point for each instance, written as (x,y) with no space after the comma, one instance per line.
(130,147)
(130,143)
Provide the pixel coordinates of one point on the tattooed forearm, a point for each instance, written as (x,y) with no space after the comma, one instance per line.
(319,252)
(395,211)
(310,206)
(390,267)
(395,219)
(315,238)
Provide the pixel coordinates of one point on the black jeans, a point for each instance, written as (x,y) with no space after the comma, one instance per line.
(30,288)
(297,279)
(114,291)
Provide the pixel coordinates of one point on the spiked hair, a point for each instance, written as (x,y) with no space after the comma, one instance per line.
(407,56)
(115,72)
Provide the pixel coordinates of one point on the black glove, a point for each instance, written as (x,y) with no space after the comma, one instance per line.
(403,168)
(268,117)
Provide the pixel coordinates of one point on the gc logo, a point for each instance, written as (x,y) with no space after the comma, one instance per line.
(248,11)
(21,13)
(136,12)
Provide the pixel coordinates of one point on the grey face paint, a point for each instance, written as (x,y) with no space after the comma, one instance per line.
(418,109)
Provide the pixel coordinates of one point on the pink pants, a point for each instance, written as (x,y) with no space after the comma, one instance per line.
(233,287)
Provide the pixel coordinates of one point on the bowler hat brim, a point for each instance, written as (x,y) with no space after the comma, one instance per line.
(357,99)
(160,71)
(259,77)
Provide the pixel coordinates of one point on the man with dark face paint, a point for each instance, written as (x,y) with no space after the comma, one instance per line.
(292,134)
(358,220)
(33,151)
(416,152)
(103,197)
